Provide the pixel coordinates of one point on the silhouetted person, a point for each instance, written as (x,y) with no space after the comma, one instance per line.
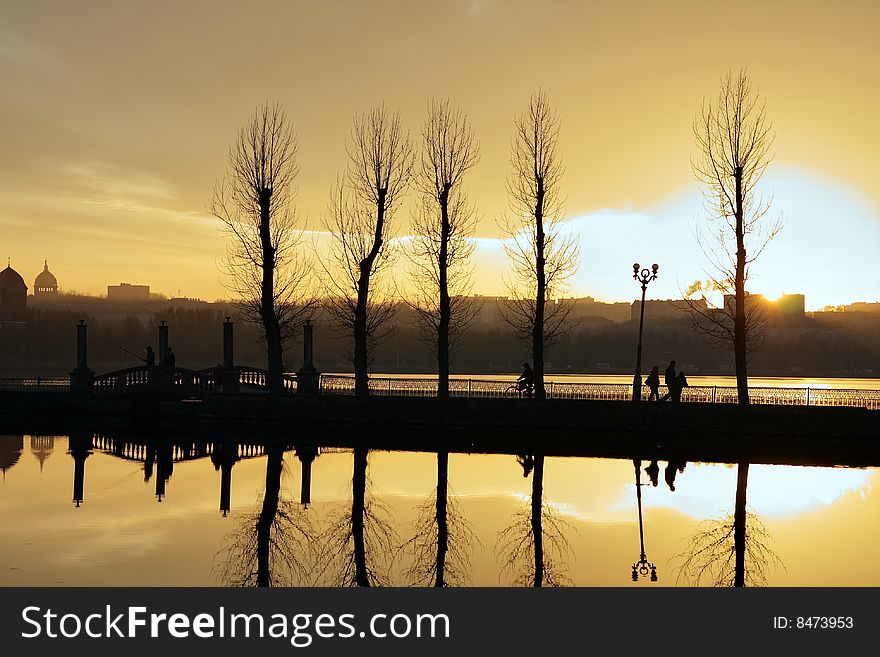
(150,360)
(653,383)
(669,475)
(170,360)
(526,380)
(527,461)
(671,380)
(653,472)
(681,383)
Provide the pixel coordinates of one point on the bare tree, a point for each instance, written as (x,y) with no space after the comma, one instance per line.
(358,543)
(734,550)
(734,139)
(362,207)
(534,547)
(272,546)
(442,539)
(441,247)
(264,266)
(543,259)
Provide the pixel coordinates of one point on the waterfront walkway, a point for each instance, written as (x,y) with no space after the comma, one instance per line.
(476,388)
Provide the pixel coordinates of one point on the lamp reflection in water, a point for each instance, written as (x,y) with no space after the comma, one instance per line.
(642,567)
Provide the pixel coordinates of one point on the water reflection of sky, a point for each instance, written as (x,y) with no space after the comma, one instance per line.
(824,521)
(703,489)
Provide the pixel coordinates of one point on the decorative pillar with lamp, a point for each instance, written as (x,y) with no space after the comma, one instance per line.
(643,276)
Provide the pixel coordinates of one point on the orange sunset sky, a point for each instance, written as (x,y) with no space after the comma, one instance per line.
(115,118)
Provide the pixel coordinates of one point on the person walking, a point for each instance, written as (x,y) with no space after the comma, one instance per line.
(653,383)
(670,380)
(681,383)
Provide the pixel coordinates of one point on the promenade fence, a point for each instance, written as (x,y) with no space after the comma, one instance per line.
(483,388)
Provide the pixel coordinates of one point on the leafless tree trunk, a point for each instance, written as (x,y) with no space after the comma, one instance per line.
(734,138)
(443,538)
(739,524)
(441,246)
(265,267)
(734,550)
(534,547)
(358,543)
(361,210)
(542,258)
(274,545)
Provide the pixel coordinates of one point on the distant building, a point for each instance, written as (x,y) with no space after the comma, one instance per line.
(752,300)
(13,296)
(13,314)
(585,307)
(790,304)
(665,310)
(126,292)
(488,309)
(45,283)
(863,307)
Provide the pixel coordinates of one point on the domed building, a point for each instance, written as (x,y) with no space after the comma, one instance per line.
(13,296)
(11,448)
(45,283)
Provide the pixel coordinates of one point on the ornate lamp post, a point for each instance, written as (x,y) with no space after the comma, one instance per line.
(644,277)
(642,567)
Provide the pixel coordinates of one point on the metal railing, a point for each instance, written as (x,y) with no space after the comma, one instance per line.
(35,384)
(482,388)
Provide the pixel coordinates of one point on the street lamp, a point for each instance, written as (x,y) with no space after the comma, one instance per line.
(644,277)
(642,567)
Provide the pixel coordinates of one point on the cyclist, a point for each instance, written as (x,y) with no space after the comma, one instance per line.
(526,380)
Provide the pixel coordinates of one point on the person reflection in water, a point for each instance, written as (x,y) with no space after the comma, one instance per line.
(673,467)
(527,462)
(653,472)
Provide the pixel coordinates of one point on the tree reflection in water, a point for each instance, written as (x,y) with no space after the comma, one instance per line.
(532,550)
(442,540)
(273,545)
(358,543)
(734,550)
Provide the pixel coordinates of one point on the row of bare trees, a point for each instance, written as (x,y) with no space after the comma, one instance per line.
(271,273)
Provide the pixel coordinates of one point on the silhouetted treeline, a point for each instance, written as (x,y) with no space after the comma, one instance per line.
(818,344)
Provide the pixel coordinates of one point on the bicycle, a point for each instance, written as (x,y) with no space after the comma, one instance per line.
(517,390)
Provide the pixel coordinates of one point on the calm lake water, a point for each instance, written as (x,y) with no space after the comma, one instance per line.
(814,526)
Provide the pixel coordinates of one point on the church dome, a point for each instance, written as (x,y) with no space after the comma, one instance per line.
(11,281)
(11,448)
(45,281)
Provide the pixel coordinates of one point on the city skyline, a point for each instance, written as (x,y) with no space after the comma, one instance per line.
(114,144)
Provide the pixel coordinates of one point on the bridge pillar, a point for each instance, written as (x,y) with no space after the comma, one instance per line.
(80,448)
(230,371)
(82,379)
(163,342)
(306,454)
(308,379)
